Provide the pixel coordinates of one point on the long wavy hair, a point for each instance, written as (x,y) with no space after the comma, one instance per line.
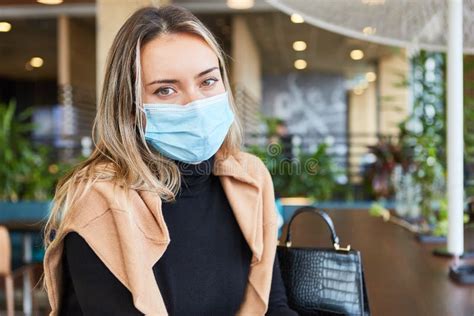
(121,154)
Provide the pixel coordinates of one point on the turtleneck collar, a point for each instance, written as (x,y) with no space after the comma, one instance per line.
(203,168)
(195,176)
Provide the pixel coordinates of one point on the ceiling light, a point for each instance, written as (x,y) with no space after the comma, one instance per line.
(36,62)
(5,27)
(369,30)
(357,54)
(300,64)
(240,4)
(296,18)
(299,46)
(50,2)
(371,76)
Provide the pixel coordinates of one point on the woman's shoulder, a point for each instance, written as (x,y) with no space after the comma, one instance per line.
(254,166)
(91,199)
(250,162)
(100,192)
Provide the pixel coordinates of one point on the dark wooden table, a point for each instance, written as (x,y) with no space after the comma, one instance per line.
(402,275)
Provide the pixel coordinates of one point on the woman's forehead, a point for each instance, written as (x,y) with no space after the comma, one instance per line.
(177,54)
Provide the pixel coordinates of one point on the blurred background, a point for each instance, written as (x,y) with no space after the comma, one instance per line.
(347,123)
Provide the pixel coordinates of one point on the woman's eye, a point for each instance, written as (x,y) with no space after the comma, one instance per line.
(165,91)
(209,82)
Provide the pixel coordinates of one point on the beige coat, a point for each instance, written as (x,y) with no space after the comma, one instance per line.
(130,243)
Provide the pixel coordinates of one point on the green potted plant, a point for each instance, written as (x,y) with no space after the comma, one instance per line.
(28,176)
(422,144)
(305,178)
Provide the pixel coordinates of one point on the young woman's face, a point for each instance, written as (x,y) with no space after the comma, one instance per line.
(179,68)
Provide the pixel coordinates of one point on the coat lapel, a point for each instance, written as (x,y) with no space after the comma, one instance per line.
(242,192)
(245,196)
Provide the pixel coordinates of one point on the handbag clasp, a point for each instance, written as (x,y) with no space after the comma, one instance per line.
(339,248)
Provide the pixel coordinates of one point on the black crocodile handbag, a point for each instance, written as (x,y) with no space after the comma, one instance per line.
(323,281)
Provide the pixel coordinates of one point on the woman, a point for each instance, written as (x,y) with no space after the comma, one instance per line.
(167,216)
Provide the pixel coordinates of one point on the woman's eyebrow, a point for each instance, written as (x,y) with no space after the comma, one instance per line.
(202,73)
(205,72)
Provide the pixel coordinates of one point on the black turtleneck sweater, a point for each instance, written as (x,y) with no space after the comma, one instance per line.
(204,270)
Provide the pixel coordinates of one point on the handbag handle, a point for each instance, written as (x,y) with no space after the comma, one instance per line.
(327,219)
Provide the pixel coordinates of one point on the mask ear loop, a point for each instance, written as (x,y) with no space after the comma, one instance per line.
(138,111)
(142,121)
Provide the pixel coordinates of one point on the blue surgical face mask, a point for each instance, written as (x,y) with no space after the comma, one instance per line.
(189,133)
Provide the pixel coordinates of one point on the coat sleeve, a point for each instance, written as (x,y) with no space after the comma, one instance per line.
(91,288)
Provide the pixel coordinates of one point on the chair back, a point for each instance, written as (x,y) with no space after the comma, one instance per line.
(5,251)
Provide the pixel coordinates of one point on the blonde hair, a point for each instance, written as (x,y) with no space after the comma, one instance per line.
(121,154)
